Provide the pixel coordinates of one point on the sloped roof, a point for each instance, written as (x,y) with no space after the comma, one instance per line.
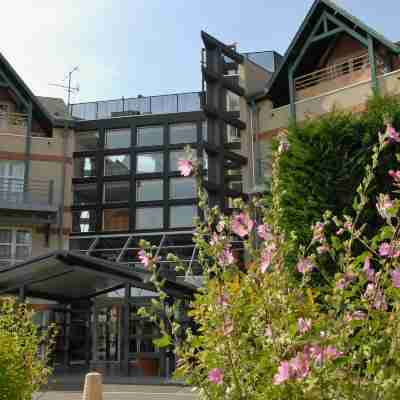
(56,107)
(279,81)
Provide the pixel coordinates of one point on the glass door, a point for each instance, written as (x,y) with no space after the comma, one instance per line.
(12,180)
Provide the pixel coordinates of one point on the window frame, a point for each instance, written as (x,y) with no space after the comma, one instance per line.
(81,210)
(161,171)
(160,180)
(161,226)
(144,127)
(13,256)
(170,133)
(106,156)
(182,179)
(108,131)
(105,183)
(171,226)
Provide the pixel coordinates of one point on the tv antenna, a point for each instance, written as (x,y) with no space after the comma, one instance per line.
(68,88)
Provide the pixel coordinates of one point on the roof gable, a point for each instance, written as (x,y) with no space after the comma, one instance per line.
(279,81)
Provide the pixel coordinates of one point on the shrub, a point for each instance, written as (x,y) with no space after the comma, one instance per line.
(261,334)
(22,370)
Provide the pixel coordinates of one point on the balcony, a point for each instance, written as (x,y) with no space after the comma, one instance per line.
(336,76)
(170,103)
(37,197)
(13,123)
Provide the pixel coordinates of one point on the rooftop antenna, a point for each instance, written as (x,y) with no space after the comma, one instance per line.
(68,88)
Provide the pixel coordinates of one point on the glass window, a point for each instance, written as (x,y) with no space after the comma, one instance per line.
(149,162)
(15,246)
(174,157)
(150,136)
(183,133)
(149,190)
(204,133)
(116,219)
(182,216)
(115,192)
(83,221)
(182,188)
(86,141)
(149,218)
(117,165)
(117,138)
(85,193)
(84,167)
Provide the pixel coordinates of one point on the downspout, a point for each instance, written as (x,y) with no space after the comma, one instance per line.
(28,151)
(62,189)
(252,111)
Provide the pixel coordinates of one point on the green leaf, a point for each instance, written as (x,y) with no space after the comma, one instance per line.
(164,341)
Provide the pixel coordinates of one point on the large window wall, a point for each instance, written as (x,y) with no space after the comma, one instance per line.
(126,177)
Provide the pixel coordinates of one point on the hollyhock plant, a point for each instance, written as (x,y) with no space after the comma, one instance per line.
(396,278)
(283,373)
(392,134)
(384,205)
(368,271)
(395,175)
(144,258)
(242,224)
(264,232)
(185,167)
(303,325)
(305,265)
(226,258)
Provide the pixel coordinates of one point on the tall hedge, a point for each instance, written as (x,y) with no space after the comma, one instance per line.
(325,163)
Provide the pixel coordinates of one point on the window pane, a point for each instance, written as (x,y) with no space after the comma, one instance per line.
(182,188)
(149,190)
(22,252)
(116,219)
(5,251)
(115,192)
(85,193)
(24,237)
(117,165)
(83,221)
(86,141)
(5,236)
(182,133)
(174,157)
(149,162)
(182,216)
(149,218)
(150,136)
(117,138)
(84,167)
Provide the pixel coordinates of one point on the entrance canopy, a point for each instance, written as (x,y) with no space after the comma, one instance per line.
(67,276)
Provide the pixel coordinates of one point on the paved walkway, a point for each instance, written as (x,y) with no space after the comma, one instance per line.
(127,392)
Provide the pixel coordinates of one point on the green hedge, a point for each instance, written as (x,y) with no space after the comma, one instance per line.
(325,163)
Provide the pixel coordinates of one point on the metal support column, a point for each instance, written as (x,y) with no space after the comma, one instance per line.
(292,94)
(28,149)
(372,62)
(125,332)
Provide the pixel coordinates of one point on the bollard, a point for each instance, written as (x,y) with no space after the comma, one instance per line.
(93,389)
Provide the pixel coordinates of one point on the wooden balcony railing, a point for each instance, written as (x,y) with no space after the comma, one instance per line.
(13,120)
(333,72)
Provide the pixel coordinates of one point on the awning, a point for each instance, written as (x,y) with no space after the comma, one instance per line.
(68,276)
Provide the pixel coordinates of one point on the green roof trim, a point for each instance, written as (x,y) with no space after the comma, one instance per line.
(317,9)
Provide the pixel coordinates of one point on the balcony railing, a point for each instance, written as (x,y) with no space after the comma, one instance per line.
(170,103)
(354,68)
(15,194)
(13,121)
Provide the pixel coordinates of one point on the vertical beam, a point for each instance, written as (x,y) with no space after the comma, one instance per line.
(28,149)
(125,332)
(21,294)
(292,95)
(372,62)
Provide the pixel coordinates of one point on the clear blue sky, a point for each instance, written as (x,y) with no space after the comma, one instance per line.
(130,47)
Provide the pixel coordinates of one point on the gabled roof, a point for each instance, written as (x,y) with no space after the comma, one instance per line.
(279,81)
(20,85)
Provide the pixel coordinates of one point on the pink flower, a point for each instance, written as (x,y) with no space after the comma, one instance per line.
(214,239)
(144,258)
(283,147)
(368,271)
(283,373)
(395,175)
(185,167)
(396,278)
(266,257)
(264,232)
(223,300)
(331,353)
(387,250)
(242,224)
(345,281)
(226,258)
(384,204)
(303,325)
(376,296)
(356,316)
(300,365)
(322,249)
(268,331)
(392,134)
(220,226)
(348,226)
(304,265)
(216,376)
(318,232)
(340,232)
(315,352)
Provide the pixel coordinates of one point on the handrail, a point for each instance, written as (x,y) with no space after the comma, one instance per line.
(332,72)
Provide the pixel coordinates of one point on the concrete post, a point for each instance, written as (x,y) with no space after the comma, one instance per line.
(93,389)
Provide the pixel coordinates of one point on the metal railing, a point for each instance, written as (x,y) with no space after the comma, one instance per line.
(332,72)
(170,103)
(14,190)
(13,120)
